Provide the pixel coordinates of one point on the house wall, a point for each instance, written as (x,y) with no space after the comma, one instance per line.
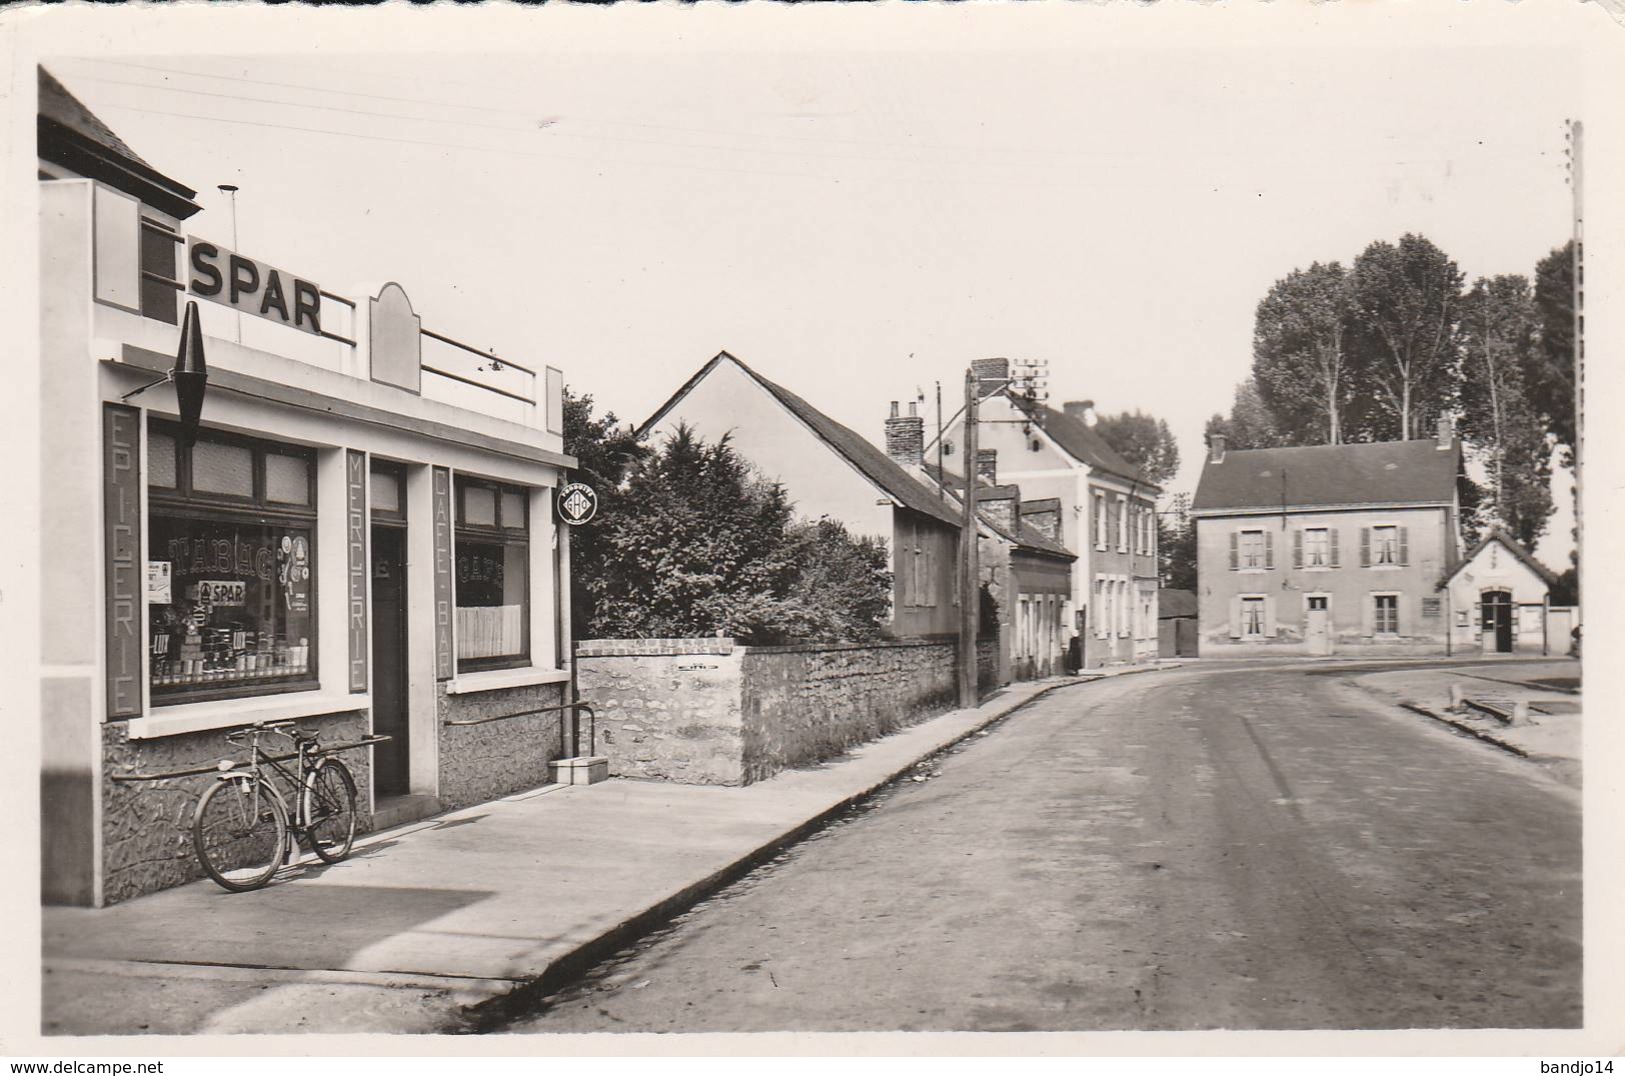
(1349,588)
(782,448)
(1038,628)
(1121,616)
(704,711)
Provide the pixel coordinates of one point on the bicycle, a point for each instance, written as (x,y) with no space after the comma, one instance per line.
(242,831)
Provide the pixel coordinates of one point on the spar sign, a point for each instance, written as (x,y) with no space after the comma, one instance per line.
(577,504)
(230,279)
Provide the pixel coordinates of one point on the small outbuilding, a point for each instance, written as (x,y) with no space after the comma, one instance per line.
(1499,601)
(1176,623)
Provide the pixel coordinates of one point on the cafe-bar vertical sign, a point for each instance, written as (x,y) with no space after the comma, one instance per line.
(443,664)
(356,551)
(121,470)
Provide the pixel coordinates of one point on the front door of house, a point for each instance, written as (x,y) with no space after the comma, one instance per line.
(1317,625)
(1495,611)
(389,715)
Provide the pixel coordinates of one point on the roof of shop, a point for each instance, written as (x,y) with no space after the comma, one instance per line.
(1173,603)
(76,138)
(1514,547)
(857,450)
(1329,476)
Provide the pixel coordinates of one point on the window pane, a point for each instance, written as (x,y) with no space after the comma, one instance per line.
(161,460)
(386,492)
(159,252)
(222,468)
(479,506)
(241,606)
(513,510)
(287,479)
(492,599)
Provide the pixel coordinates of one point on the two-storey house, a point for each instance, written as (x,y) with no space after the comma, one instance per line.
(1328,548)
(1104,511)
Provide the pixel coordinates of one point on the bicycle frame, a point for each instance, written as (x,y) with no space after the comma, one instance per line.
(298,816)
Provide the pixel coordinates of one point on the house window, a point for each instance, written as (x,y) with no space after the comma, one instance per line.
(1252,618)
(160,288)
(232,522)
(1385,545)
(1100,521)
(1317,548)
(493,575)
(1252,549)
(1387,614)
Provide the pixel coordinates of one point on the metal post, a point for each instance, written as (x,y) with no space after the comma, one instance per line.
(230,190)
(1577,181)
(969,592)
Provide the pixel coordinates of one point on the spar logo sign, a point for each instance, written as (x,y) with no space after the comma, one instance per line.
(577,504)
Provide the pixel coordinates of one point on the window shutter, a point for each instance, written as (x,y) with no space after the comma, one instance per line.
(1331,534)
(1269,616)
(1235,617)
(1297,547)
(1404,545)
(1368,616)
(1402,613)
(1269,548)
(1235,555)
(1365,548)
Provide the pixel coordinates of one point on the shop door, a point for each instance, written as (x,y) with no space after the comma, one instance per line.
(1317,626)
(389,718)
(1495,608)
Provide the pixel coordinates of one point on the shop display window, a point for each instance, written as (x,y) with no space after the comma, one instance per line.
(493,577)
(231,603)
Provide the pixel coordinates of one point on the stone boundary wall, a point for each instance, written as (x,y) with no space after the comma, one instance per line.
(707,711)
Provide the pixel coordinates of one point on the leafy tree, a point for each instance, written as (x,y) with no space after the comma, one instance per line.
(1405,300)
(1250,424)
(1498,337)
(1144,441)
(699,544)
(1176,545)
(1549,373)
(1301,366)
(605,452)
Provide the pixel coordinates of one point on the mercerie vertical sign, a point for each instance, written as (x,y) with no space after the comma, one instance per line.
(253,287)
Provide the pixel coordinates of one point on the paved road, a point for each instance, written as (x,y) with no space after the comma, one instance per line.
(1206,848)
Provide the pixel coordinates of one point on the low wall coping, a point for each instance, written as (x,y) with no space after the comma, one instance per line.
(604,648)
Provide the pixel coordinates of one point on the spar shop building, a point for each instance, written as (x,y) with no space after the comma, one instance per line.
(357,532)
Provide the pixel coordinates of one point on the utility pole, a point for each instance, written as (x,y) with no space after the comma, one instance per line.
(1576,135)
(230,190)
(970,593)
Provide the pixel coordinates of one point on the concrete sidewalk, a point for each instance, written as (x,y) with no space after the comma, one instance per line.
(431,924)
(1550,688)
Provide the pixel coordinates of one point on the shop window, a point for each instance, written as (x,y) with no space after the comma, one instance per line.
(232,604)
(493,568)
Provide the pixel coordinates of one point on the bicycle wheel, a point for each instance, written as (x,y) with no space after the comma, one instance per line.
(239,832)
(330,809)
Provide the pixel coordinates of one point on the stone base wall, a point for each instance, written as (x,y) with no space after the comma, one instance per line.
(485,762)
(705,711)
(147,825)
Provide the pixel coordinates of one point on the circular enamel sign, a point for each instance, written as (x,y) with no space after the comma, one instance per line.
(577,504)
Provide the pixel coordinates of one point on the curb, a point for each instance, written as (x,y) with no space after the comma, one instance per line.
(1478,733)
(492,1012)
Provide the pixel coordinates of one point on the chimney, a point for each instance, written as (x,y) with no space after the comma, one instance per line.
(987,465)
(1447,432)
(905,437)
(1215,448)
(989,374)
(1080,410)
(1003,506)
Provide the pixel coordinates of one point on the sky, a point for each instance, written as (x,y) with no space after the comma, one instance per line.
(857,220)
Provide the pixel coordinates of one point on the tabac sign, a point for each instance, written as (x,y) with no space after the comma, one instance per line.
(252,287)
